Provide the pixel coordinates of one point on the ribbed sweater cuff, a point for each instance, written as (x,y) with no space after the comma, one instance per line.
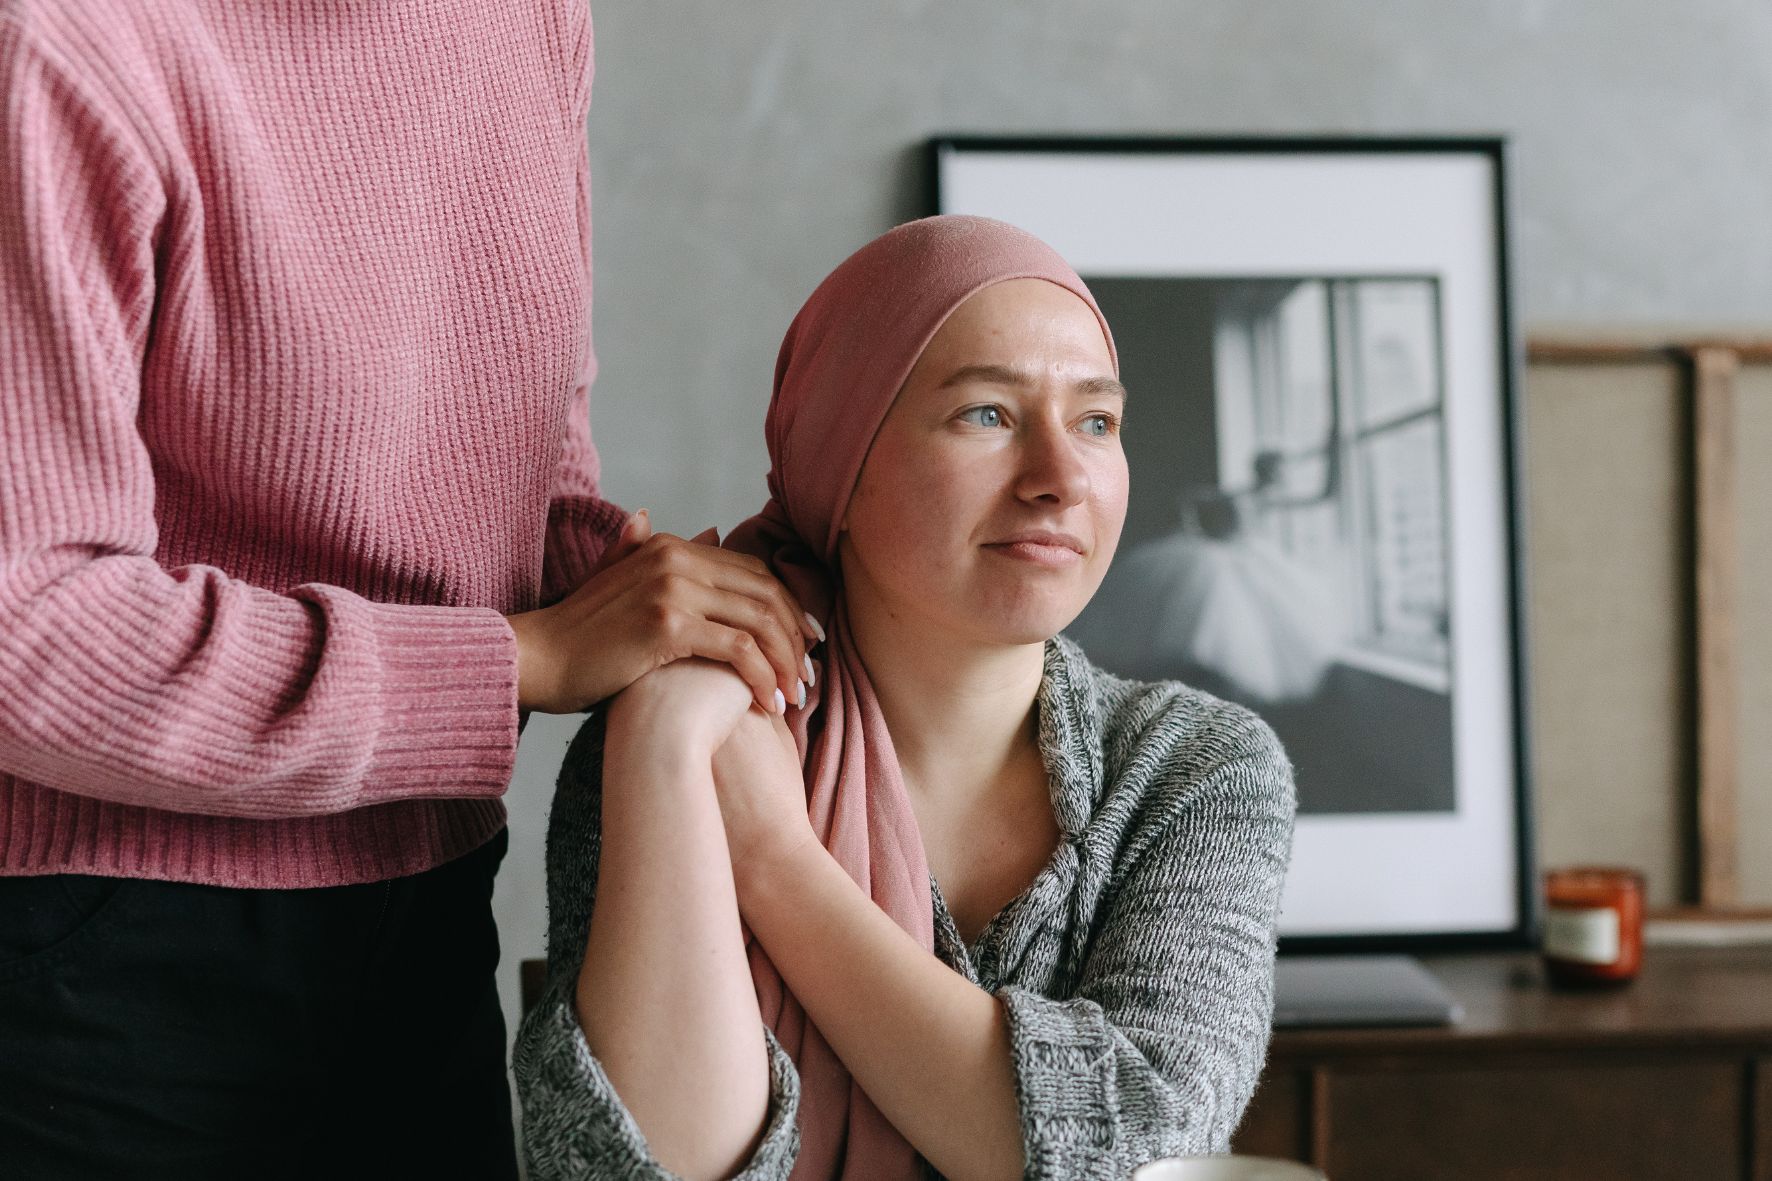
(576,1125)
(579,530)
(448,704)
(1062,1053)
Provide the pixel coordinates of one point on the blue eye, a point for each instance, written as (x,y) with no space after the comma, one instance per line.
(1105,422)
(988,415)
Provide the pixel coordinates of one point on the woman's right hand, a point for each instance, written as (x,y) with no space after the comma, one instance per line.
(653,599)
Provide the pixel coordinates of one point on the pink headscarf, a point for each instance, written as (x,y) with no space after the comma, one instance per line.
(844,359)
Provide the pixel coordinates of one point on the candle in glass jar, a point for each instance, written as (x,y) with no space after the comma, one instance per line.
(1593,925)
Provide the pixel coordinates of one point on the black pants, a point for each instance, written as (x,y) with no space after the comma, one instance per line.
(157,1029)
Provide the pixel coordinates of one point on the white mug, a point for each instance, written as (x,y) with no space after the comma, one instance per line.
(1225,1168)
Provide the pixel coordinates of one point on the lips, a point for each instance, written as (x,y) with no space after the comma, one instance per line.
(1042,537)
(1044,549)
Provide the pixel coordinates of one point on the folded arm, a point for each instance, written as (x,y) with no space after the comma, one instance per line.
(1157,1053)
(648,1057)
(930,1048)
(665,993)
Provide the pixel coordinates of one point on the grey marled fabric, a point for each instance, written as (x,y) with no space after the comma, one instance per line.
(1136,970)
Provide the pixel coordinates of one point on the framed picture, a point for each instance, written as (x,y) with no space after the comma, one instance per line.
(1325,518)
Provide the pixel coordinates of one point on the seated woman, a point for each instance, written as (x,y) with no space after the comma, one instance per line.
(972,906)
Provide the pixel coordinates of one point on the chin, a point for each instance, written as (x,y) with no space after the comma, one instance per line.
(1016,637)
(1022,620)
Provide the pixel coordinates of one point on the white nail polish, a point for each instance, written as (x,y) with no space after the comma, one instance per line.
(817,628)
(811,673)
(781,703)
(802,702)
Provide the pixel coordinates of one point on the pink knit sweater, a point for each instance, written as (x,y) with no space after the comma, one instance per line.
(294,352)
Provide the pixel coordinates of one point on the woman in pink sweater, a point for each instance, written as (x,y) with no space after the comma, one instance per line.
(298,510)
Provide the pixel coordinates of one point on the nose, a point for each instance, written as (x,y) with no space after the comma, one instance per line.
(1051,472)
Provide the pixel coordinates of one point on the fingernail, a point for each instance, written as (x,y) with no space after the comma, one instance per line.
(817,629)
(802,703)
(811,673)
(781,703)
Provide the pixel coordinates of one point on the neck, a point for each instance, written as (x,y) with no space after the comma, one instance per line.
(960,712)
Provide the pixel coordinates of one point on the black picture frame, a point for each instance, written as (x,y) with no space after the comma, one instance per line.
(1081,194)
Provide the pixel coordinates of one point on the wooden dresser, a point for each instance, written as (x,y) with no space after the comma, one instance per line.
(1667,1078)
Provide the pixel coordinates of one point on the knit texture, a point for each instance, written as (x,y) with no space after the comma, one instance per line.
(294,359)
(1136,969)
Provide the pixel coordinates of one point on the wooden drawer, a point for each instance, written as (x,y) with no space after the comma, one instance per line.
(1621,1122)
(1522,1118)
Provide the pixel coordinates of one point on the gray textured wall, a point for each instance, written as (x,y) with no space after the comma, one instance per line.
(742,149)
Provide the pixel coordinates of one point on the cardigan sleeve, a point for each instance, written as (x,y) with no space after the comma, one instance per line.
(575,1126)
(182,688)
(1159,1049)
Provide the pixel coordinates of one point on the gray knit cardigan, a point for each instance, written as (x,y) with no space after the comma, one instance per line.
(1136,971)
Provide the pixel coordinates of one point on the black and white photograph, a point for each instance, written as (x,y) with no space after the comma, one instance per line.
(1287,549)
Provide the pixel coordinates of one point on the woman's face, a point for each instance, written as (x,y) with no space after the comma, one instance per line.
(992,498)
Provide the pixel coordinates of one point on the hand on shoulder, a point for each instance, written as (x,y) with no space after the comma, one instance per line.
(653,599)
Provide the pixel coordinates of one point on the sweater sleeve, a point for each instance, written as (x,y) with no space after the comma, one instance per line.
(1160,1048)
(180,689)
(575,1126)
(581,524)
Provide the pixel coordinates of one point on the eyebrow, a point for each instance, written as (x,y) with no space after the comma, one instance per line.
(1003,375)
